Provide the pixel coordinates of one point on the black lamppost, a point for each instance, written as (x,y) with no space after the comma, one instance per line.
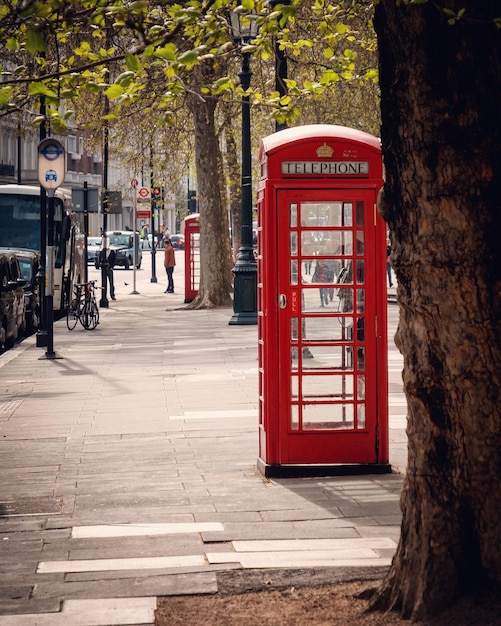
(244,28)
(154,196)
(280,64)
(104,302)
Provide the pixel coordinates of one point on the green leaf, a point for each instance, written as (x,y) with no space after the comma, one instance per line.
(114,91)
(188,58)
(35,41)
(132,62)
(12,44)
(168,52)
(40,89)
(4,97)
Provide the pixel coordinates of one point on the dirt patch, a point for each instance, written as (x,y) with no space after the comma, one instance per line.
(339,604)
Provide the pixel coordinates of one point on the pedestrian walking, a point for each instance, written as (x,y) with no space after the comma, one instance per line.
(107,259)
(169,264)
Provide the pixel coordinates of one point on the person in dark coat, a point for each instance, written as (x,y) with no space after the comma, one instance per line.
(107,259)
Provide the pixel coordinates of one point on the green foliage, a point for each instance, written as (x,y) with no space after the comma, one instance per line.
(61,48)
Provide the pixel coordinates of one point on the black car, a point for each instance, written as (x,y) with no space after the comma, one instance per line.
(12,318)
(122,242)
(29,265)
(177,242)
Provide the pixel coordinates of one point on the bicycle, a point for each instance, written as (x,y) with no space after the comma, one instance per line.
(83,307)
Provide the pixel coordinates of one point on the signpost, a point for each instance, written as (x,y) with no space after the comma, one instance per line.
(134,184)
(51,171)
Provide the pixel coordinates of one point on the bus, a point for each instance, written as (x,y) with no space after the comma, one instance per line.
(20,227)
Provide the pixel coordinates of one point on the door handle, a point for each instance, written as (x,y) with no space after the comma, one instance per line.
(282,301)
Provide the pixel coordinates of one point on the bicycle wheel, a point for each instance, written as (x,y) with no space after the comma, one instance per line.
(73,314)
(90,315)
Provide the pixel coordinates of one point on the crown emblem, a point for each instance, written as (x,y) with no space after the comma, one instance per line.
(325,151)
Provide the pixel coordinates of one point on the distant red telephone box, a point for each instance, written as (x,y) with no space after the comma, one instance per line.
(322,319)
(191,256)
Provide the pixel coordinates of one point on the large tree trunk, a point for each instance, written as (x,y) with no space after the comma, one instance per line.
(215,252)
(441,135)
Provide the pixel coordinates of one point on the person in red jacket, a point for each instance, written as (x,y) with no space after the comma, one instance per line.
(169,264)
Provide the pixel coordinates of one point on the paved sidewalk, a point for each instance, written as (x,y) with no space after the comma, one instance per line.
(128,468)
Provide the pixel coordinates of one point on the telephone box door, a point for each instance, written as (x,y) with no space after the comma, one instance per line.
(327,326)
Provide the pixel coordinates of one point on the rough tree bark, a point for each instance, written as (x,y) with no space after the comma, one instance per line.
(233,175)
(215,252)
(441,136)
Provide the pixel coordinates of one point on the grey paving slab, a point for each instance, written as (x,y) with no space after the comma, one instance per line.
(152,419)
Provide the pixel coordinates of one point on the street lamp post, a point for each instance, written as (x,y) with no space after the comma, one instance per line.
(280,64)
(104,302)
(245,270)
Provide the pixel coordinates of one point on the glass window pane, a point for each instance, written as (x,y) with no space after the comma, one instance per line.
(328,416)
(321,214)
(360,247)
(294,387)
(293,215)
(361,416)
(294,417)
(329,328)
(360,387)
(293,243)
(360,329)
(360,300)
(294,328)
(360,213)
(360,271)
(313,299)
(294,271)
(294,360)
(347,214)
(345,297)
(328,358)
(322,387)
(326,242)
(361,358)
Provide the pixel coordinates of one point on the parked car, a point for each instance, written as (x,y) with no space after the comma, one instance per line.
(122,242)
(93,247)
(177,242)
(29,266)
(12,316)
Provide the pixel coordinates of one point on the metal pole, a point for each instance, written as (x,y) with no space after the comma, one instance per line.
(153,207)
(245,270)
(41,338)
(86,228)
(135,251)
(104,302)
(49,266)
(280,65)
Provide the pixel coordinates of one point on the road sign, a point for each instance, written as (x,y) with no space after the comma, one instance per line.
(143,214)
(143,193)
(134,183)
(51,164)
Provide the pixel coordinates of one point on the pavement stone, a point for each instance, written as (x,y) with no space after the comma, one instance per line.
(152,419)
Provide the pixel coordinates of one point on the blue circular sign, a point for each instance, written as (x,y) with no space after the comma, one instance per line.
(51,151)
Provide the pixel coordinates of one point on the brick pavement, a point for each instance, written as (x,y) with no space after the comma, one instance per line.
(128,468)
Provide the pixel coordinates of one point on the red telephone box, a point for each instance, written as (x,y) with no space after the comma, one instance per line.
(322,320)
(191,256)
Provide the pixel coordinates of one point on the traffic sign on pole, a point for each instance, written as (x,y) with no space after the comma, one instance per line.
(144,193)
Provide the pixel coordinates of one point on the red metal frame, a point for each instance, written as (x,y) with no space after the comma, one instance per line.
(328,413)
